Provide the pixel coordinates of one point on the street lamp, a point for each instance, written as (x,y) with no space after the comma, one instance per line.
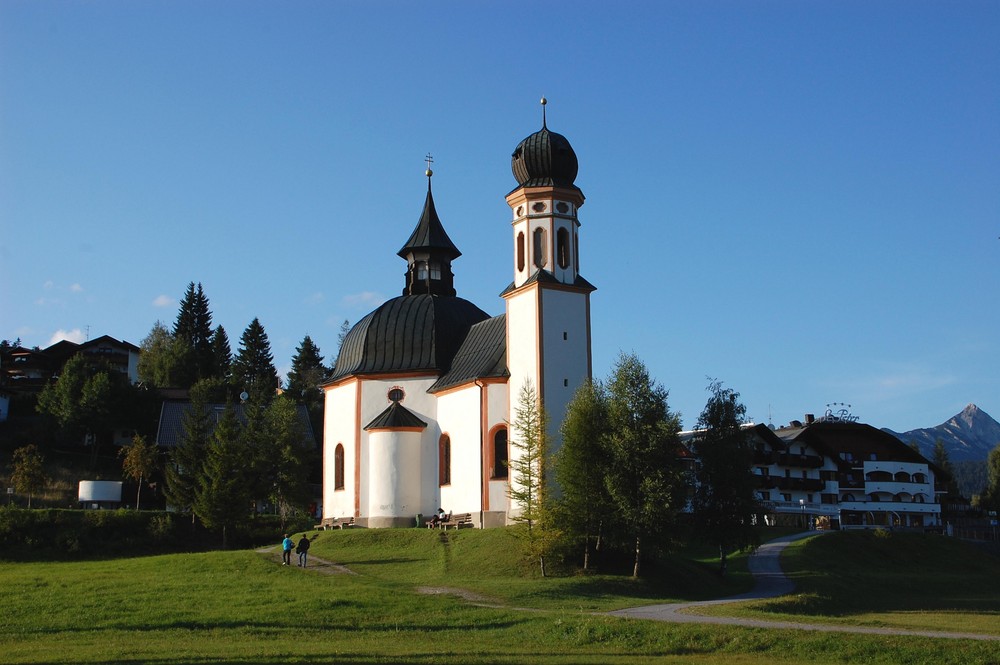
(802,505)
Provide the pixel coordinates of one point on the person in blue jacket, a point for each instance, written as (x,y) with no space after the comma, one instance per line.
(286,550)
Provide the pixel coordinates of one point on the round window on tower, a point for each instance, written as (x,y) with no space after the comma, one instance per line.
(396,394)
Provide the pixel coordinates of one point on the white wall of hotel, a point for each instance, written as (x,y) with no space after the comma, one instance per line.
(908,499)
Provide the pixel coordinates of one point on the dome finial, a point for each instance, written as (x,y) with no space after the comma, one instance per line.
(544,102)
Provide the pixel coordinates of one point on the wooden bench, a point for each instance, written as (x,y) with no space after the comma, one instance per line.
(335,523)
(458,521)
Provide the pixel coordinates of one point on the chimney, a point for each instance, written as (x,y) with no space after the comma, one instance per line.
(810,419)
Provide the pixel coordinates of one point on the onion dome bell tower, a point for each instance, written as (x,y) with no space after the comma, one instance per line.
(548,303)
(429,253)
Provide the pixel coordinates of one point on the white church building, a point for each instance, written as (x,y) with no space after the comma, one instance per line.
(418,406)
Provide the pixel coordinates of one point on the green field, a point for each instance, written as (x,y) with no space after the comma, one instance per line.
(241,607)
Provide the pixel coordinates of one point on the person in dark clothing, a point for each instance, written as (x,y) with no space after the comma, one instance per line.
(302,548)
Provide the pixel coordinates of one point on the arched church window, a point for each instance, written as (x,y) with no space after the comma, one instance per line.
(520,251)
(444,460)
(500,454)
(562,247)
(338,467)
(539,243)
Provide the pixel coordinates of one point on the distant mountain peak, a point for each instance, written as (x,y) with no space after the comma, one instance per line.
(969,435)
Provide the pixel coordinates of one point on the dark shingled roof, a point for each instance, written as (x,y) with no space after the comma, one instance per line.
(860,440)
(482,355)
(396,415)
(408,333)
(429,233)
(543,276)
(544,159)
(171,427)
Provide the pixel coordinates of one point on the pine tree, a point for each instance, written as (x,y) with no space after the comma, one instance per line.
(221,497)
(643,478)
(290,489)
(307,372)
(253,369)
(527,489)
(188,457)
(725,508)
(584,503)
(193,330)
(222,354)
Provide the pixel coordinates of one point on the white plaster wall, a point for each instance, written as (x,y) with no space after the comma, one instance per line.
(394,484)
(374,400)
(339,426)
(565,360)
(459,417)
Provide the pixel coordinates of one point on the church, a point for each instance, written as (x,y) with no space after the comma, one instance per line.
(419,403)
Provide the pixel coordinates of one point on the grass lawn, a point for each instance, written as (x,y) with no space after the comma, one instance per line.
(240,607)
(885,579)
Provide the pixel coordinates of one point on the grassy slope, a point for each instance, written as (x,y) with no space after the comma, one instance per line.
(240,607)
(898,580)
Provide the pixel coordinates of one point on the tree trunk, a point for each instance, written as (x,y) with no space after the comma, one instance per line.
(635,569)
(137,492)
(541,563)
(586,552)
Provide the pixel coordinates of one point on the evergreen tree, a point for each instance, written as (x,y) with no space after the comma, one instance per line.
(193,330)
(992,495)
(290,489)
(579,465)
(221,497)
(222,354)
(307,372)
(726,511)
(644,478)
(942,462)
(527,489)
(28,471)
(188,458)
(253,369)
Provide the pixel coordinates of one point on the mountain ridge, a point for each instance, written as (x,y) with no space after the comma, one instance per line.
(967,436)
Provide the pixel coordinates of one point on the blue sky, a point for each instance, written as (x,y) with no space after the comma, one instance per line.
(800,199)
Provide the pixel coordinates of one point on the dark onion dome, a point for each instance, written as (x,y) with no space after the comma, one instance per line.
(407,333)
(544,159)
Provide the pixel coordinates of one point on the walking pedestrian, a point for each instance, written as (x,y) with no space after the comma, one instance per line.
(302,548)
(286,551)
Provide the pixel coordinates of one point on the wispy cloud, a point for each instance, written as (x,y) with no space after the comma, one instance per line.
(363,298)
(315,299)
(76,288)
(890,383)
(74,335)
(163,301)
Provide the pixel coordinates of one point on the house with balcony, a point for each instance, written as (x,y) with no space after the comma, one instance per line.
(836,473)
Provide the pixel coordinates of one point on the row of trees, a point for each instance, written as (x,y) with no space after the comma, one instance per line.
(196,353)
(623,474)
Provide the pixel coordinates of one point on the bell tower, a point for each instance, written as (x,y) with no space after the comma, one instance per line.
(548,303)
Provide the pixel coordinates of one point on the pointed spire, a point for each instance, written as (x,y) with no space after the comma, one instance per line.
(429,251)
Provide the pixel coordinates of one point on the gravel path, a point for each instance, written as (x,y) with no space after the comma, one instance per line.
(770,581)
